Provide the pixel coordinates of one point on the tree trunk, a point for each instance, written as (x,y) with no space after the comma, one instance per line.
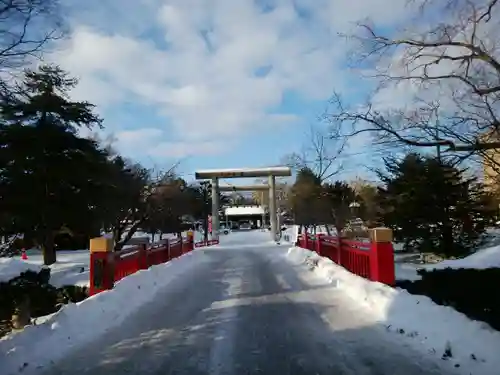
(49,250)
(119,244)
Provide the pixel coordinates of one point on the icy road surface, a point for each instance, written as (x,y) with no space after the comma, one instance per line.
(248,311)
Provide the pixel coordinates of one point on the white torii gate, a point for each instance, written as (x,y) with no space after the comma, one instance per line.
(271,173)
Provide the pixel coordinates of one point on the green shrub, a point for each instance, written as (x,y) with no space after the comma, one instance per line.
(44,298)
(72,294)
(470,291)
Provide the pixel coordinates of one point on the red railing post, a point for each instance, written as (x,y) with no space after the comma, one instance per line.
(101,265)
(317,243)
(167,256)
(143,257)
(190,241)
(339,249)
(382,256)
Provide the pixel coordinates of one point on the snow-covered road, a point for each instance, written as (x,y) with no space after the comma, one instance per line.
(247,311)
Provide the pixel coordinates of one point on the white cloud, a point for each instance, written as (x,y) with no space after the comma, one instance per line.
(194,61)
(149,142)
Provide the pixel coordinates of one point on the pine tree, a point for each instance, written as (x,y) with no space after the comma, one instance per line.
(49,176)
(433,207)
(338,198)
(305,198)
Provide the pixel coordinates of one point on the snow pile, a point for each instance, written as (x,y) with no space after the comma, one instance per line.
(473,345)
(76,324)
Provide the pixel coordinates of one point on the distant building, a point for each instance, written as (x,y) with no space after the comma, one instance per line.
(491,163)
(251,214)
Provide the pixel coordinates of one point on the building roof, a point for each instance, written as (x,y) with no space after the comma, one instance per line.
(244,210)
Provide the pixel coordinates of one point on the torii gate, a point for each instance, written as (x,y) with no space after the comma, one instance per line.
(271,173)
(260,188)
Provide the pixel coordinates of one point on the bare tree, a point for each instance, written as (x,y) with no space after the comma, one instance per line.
(26,28)
(448,70)
(282,190)
(320,154)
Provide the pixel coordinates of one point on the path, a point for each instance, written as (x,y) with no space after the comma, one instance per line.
(247,312)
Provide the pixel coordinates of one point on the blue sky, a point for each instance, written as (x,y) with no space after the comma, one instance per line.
(217,83)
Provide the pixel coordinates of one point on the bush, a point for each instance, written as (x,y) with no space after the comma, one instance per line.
(44,298)
(470,291)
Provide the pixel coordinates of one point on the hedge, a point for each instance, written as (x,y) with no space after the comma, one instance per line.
(472,292)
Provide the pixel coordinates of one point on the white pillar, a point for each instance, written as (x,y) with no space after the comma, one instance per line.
(263,222)
(215,208)
(272,206)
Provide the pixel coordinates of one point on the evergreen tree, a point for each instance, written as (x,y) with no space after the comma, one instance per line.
(305,198)
(49,176)
(432,206)
(338,198)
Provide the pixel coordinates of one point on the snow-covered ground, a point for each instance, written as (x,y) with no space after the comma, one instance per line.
(415,320)
(484,258)
(300,322)
(76,324)
(433,329)
(71,268)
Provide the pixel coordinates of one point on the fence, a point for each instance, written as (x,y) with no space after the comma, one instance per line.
(372,259)
(206,243)
(108,266)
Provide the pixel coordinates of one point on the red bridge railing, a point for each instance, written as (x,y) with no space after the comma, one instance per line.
(371,259)
(108,267)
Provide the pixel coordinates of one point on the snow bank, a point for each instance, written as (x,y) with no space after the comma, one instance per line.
(76,324)
(485,258)
(13,267)
(430,327)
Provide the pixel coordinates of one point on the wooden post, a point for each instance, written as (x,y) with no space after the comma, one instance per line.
(101,265)
(382,256)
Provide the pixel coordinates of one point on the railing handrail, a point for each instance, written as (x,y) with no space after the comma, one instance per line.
(370,259)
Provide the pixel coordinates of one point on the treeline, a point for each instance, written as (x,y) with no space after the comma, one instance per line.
(432,205)
(54,182)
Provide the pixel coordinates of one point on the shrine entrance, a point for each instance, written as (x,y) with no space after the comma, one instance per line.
(271,173)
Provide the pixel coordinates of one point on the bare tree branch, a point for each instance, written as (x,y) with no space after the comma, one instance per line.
(26,28)
(451,67)
(320,154)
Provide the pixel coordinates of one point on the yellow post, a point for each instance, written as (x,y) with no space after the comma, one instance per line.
(101,264)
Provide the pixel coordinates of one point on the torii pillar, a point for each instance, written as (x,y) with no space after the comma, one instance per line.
(215,208)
